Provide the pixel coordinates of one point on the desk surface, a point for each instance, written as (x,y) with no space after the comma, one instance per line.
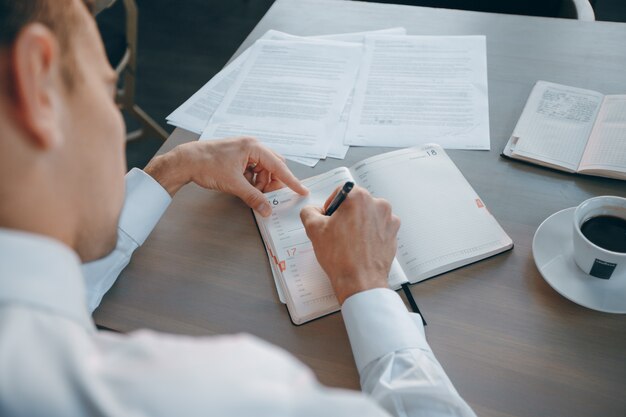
(511,345)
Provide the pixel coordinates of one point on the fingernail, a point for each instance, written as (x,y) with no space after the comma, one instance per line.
(264,209)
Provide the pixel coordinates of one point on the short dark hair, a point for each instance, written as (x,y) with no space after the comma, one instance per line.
(58,15)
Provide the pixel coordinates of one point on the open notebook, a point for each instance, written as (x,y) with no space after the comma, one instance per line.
(445,225)
(572,130)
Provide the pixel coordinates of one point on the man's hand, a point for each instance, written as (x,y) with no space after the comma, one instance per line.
(240,166)
(357,244)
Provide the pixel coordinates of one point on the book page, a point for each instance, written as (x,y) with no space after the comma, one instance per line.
(606,149)
(555,125)
(413,90)
(307,290)
(298,86)
(445,224)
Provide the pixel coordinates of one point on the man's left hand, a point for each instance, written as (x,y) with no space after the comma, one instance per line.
(240,166)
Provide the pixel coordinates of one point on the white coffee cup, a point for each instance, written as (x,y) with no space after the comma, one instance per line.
(591,258)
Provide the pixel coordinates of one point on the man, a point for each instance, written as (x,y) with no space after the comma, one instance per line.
(61,192)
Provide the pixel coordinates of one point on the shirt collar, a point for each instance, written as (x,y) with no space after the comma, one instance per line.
(42,273)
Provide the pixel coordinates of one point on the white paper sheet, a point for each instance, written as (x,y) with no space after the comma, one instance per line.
(292,93)
(417,89)
(195,112)
(225,130)
(337,149)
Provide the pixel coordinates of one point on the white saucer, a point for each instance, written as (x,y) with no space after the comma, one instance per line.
(553,252)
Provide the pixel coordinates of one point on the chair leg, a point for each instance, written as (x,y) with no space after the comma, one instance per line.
(149,126)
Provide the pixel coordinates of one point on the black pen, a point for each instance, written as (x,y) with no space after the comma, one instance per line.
(334,205)
(339,198)
(411,300)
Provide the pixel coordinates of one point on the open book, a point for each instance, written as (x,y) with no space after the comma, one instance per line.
(445,225)
(572,130)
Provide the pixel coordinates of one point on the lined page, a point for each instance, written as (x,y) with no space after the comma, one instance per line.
(555,125)
(444,223)
(307,290)
(606,150)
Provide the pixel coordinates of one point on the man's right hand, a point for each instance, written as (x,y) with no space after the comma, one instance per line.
(357,244)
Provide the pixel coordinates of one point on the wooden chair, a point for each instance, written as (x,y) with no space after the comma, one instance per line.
(127,71)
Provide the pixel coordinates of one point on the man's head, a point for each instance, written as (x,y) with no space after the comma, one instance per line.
(61,135)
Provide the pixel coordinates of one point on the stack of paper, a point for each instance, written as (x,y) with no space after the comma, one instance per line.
(309,98)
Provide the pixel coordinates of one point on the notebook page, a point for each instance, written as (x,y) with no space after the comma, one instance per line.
(444,223)
(273,265)
(555,125)
(307,290)
(606,150)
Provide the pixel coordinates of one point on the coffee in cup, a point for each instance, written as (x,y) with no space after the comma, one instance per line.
(600,237)
(607,232)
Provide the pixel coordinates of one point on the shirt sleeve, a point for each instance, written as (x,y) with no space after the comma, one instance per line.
(145,203)
(395,363)
(52,366)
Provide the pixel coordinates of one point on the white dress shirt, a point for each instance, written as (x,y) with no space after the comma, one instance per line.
(54,362)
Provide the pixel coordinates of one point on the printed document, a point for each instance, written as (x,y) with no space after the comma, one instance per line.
(292,92)
(195,113)
(416,89)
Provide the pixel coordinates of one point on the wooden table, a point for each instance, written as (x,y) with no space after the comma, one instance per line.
(510,343)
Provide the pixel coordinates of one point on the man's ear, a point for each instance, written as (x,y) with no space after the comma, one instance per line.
(35,69)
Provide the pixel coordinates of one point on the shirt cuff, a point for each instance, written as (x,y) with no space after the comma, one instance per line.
(145,203)
(378,323)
